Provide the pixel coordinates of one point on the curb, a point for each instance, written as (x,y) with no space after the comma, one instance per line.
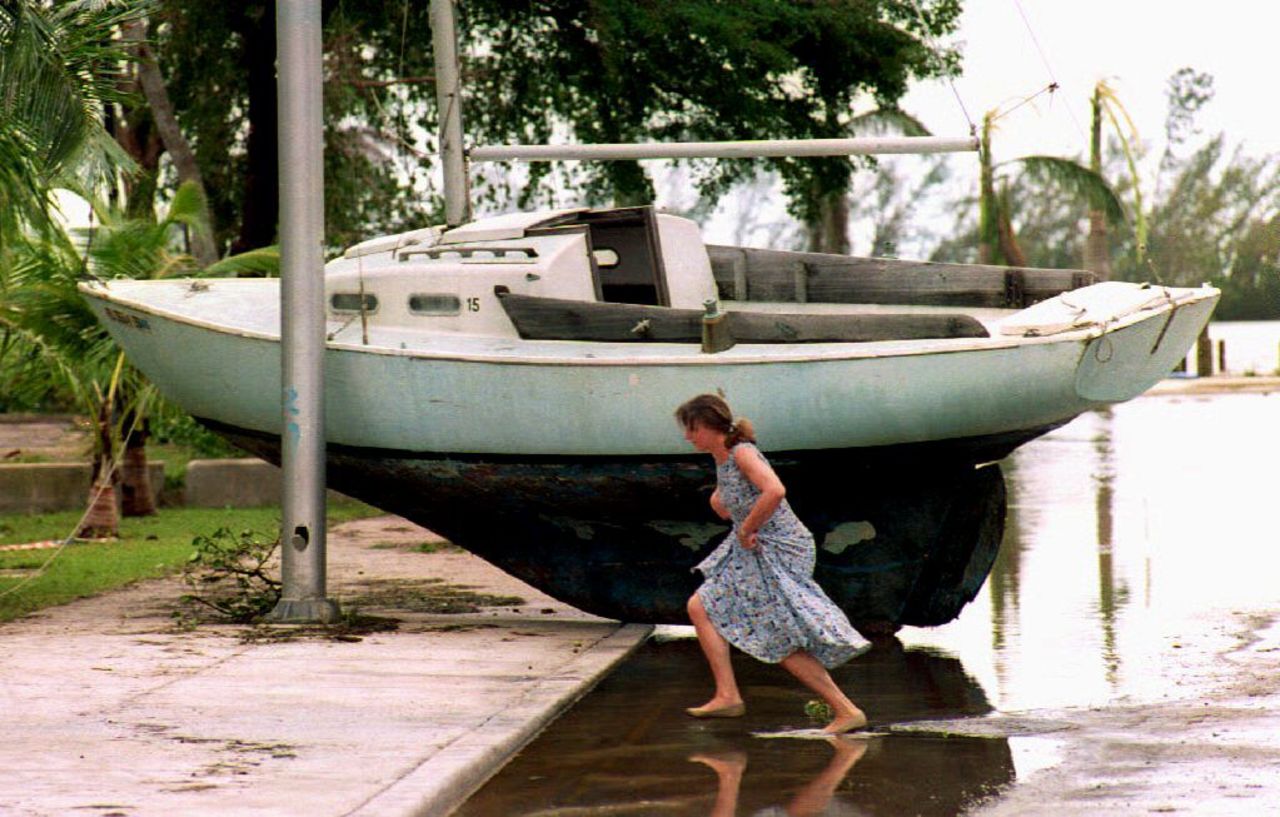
(447,778)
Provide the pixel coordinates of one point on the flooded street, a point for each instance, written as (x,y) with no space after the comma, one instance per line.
(1118,659)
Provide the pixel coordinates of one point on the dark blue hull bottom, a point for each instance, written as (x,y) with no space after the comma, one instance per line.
(906,534)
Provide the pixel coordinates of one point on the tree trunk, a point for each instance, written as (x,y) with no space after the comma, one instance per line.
(166,122)
(1097,250)
(988,221)
(261,185)
(829,232)
(1097,254)
(102,520)
(135,480)
(1010,251)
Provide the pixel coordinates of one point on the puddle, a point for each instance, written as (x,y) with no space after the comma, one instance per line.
(628,748)
(1138,543)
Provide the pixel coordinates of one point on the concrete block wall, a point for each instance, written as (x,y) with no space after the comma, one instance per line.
(232,483)
(245,483)
(45,487)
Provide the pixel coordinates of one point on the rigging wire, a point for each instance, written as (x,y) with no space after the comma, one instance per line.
(932,44)
(1053,79)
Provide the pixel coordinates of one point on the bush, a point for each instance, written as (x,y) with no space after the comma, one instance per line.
(227,573)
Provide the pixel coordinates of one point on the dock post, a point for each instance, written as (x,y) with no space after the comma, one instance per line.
(302,315)
(1222,356)
(1204,354)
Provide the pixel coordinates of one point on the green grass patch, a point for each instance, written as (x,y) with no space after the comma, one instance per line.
(148,547)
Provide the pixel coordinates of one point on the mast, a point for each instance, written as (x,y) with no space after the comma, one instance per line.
(444,45)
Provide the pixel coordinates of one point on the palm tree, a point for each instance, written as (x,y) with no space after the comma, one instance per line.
(59,65)
(61,345)
(1097,254)
(997,243)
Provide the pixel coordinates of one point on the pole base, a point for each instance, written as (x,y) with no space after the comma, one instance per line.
(304,611)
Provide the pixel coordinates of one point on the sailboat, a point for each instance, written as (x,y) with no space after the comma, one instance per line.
(510,383)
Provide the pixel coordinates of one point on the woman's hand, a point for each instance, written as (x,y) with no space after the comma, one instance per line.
(747,540)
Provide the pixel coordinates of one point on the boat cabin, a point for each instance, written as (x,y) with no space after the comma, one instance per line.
(633,274)
(627,256)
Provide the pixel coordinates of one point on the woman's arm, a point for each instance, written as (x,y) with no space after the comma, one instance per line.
(718,506)
(772,492)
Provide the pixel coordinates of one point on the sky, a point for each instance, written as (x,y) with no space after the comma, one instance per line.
(1135,44)
(1013,49)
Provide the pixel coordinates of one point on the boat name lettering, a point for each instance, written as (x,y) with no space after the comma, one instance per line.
(128,320)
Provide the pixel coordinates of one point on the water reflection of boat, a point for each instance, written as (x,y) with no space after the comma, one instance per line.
(625,748)
(510,384)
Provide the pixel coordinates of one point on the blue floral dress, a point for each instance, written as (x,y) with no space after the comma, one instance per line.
(764,601)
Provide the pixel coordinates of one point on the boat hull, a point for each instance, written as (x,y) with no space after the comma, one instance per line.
(561,462)
(905,535)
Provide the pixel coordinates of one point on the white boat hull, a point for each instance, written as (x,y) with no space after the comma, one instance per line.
(561,462)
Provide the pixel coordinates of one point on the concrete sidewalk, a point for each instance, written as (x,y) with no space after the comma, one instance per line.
(110,709)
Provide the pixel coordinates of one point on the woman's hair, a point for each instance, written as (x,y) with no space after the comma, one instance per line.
(712,411)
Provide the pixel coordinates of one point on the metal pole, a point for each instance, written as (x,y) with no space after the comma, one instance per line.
(444,45)
(302,314)
(726,150)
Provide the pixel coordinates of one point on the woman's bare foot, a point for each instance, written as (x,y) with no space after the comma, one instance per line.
(719,708)
(723,763)
(846,722)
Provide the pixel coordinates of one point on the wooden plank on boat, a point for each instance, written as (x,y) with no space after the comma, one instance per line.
(758,327)
(559,319)
(771,275)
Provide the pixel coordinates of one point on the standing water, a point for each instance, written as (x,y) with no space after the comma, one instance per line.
(1135,538)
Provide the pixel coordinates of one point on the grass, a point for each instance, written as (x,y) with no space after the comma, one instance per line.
(148,547)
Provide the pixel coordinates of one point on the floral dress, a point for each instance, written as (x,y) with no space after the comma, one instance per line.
(764,601)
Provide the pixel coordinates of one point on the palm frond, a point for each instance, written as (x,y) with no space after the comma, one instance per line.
(888,120)
(262,262)
(1076,179)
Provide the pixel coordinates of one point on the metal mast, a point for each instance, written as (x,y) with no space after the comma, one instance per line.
(444,45)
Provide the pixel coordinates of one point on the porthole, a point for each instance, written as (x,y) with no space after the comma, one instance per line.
(434,304)
(350,302)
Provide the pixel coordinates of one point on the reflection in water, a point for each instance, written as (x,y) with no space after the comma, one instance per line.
(1111,594)
(627,748)
(813,798)
(1169,495)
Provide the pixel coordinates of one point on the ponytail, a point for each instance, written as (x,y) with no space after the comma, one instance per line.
(742,431)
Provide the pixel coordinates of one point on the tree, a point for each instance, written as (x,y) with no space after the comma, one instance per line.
(58,70)
(618,71)
(596,70)
(997,242)
(1097,252)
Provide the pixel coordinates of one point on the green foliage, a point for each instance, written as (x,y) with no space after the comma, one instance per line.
(171,425)
(148,547)
(598,70)
(819,711)
(228,574)
(59,64)
(620,71)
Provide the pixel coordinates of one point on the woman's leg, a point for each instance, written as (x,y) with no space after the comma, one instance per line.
(716,649)
(812,674)
(728,768)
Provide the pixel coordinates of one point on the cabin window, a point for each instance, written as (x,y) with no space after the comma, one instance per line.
(514,255)
(434,304)
(350,302)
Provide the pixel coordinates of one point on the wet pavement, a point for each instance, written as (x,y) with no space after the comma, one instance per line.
(1122,658)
